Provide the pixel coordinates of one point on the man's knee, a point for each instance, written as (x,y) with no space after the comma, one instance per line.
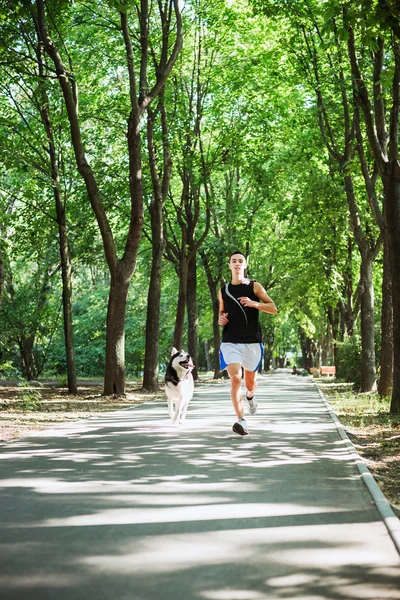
(236,379)
(251,384)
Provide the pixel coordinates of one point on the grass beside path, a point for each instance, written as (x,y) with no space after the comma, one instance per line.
(25,409)
(29,408)
(374,432)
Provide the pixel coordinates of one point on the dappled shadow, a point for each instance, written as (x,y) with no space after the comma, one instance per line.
(127,506)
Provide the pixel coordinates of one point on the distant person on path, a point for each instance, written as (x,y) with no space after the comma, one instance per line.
(239,304)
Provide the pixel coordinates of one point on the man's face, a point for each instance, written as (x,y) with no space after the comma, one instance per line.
(237,264)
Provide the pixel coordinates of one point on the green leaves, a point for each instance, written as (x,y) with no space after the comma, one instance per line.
(256,158)
(118,5)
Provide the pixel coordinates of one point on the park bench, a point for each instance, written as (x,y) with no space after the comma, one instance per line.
(330,371)
(319,372)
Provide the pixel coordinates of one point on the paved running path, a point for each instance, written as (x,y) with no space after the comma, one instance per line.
(126,507)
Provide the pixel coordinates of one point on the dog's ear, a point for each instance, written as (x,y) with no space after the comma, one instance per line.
(174,351)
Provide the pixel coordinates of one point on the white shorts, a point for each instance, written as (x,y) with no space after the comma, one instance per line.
(247,355)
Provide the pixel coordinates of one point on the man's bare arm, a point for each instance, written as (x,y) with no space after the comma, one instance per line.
(266,305)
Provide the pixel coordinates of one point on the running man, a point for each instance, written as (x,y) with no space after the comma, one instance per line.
(239,304)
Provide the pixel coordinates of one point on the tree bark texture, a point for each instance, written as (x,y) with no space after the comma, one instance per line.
(151,361)
(386,363)
(308,349)
(66,272)
(207,355)
(267,360)
(27,357)
(2,275)
(368,366)
(114,381)
(160,191)
(366,291)
(391,181)
(333,319)
(181,305)
(193,318)
(213,284)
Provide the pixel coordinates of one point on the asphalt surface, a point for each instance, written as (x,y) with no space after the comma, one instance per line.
(127,507)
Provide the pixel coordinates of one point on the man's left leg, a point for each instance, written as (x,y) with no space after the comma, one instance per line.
(250,381)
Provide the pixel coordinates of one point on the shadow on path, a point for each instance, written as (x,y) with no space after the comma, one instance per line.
(127,506)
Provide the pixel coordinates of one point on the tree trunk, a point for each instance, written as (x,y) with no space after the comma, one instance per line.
(267,360)
(2,275)
(216,337)
(325,346)
(346,306)
(333,318)
(27,358)
(213,287)
(207,355)
(347,319)
(151,360)
(385,383)
(366,287)
(193,318)
(391,181)
(180,309)
(150,375)
(66,270)
(368,366)
(304,345)
(324,356)
(114,381)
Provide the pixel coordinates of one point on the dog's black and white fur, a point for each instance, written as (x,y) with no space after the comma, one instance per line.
(179,385)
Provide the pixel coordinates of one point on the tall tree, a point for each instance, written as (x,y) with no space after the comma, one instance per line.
(65,254)
(25,91)
(160,192)
(382,128)
(182,247)
(141,95)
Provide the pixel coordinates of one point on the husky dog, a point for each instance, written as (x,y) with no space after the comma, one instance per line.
(179,385)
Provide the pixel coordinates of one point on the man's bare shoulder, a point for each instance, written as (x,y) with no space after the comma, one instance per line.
(257,286)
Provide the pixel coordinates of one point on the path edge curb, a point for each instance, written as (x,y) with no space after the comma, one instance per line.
(390,519)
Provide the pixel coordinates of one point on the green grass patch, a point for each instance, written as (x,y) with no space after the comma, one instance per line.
(358,410)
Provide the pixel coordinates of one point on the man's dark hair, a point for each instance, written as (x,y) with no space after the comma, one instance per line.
(237,252)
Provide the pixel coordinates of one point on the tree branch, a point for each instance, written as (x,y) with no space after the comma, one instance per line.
(369,183)
(394,113)
(364,101)
(130,62)
(164,74)
(82,164)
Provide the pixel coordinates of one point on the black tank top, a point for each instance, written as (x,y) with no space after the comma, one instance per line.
(243,326)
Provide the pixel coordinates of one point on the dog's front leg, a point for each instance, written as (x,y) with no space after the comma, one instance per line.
(171,409)
(176,414)
(183,410)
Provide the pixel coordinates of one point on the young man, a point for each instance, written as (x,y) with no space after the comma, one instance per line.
(239,304)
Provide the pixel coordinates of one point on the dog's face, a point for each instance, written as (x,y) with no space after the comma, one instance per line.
(181,361)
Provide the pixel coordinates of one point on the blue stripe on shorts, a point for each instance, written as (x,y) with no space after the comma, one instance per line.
(262,354)
(222,362)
